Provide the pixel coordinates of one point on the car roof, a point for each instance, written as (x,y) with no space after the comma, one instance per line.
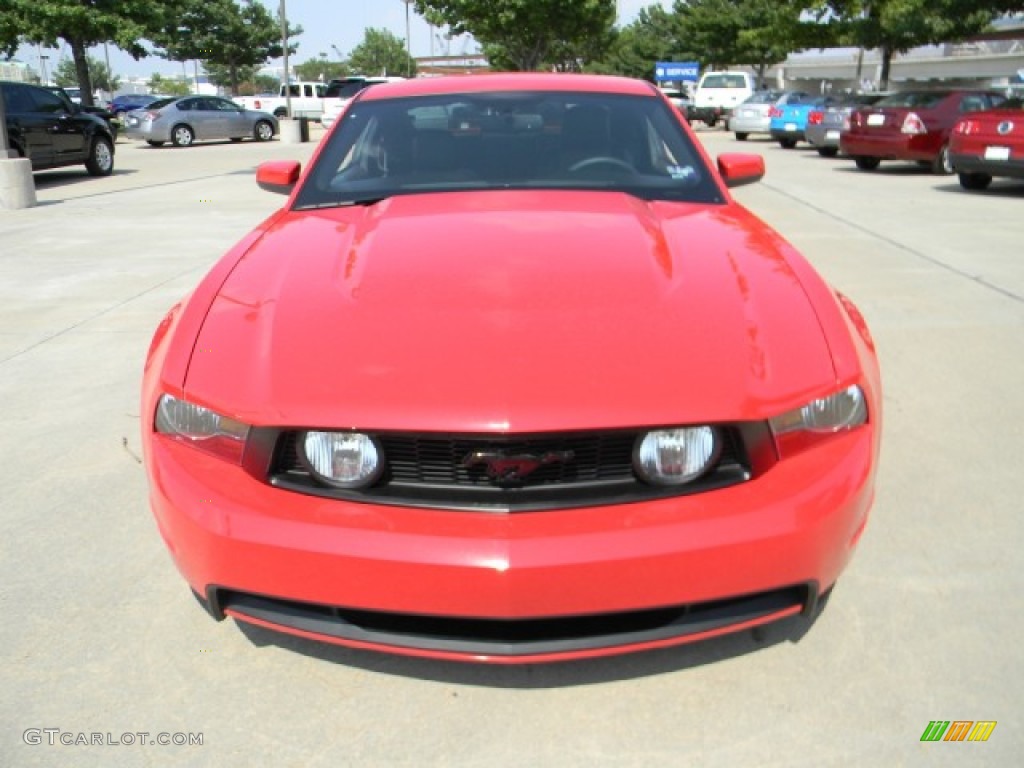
(509,81)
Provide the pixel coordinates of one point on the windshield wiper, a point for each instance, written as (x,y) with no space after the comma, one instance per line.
(360,201)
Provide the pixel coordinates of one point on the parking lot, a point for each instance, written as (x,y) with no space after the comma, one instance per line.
(100,633)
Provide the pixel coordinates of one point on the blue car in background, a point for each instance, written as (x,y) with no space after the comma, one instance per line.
(127,102)
(789,121)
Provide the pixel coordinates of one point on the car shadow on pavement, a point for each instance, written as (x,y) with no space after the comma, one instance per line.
(72,177)
(554,675)
(1007,189)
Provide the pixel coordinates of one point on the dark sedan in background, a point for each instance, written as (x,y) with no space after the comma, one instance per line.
(52,132)
(128,102)
(188,119)
(826,125)
(913,125)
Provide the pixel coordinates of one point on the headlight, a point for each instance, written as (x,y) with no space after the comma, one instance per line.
(202,428)
(342,459)
(825,416)
(675,456)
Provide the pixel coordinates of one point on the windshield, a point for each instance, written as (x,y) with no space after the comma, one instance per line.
(724,81)
(345,89)
(918,99)
(508,140)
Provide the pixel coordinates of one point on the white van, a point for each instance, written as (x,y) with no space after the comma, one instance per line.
(718,93)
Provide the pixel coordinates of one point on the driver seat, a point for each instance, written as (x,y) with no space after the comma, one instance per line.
(586,133)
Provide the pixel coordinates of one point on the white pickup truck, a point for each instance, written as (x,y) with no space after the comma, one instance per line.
(340,93)
(307,100)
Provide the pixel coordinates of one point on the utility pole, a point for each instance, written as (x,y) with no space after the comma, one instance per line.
(287,77)
(408,41)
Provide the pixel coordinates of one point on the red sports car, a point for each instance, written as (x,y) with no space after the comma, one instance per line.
(912,125)
(988,144)
(511,378)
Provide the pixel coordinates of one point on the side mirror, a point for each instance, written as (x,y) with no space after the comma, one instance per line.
(738,169)
(278,176)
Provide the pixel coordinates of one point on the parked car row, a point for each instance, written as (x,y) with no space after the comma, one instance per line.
(977,134)
(47,127)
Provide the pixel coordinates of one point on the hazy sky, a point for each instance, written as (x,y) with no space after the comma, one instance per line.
(326,24)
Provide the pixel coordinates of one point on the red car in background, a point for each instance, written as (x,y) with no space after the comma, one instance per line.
(512,378)
(989,144)
(912,125)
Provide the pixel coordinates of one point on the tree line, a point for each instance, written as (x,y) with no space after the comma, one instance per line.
(233,39)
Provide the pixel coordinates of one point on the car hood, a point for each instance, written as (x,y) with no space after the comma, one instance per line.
(511,311)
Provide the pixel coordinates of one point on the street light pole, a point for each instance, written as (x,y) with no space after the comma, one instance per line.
(287,77)
(408,41)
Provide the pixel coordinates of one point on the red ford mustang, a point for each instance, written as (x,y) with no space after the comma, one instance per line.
(988,144)
(511,378)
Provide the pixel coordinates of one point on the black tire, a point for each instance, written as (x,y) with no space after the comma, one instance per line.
(787,143)
(828,151)
(742,136)
(867,163)
(975,181)
(280,112)
(942,165)
(101,157)
(154,143)
(711,122)
(182,135)
(263,131)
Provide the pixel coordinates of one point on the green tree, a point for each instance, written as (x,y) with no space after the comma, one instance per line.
(529,34)
(222,33)
(896,26)
(754,33)
(66,75)
(259,84)
(168,86)
(321,68)
(85,23)
(381,53)
(636,47)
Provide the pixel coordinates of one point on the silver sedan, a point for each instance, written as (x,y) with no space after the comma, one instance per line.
(183,120)
(753,115)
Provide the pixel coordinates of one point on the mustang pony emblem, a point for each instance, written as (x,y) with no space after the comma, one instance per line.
(513,469)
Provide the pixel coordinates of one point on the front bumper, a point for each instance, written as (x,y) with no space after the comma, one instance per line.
(701,565)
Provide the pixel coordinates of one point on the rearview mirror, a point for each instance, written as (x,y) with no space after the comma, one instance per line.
(278,176)
(739,169)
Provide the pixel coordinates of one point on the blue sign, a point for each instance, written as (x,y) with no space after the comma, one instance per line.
(674,71)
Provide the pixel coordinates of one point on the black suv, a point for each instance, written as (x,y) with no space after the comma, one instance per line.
(52,132)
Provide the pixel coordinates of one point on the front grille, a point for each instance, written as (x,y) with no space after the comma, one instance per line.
(517,637)
(576,469)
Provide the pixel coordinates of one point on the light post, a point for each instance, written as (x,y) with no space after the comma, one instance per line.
(287,76)
(408,41)
(42,67)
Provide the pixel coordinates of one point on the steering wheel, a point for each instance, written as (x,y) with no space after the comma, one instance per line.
(602,160)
